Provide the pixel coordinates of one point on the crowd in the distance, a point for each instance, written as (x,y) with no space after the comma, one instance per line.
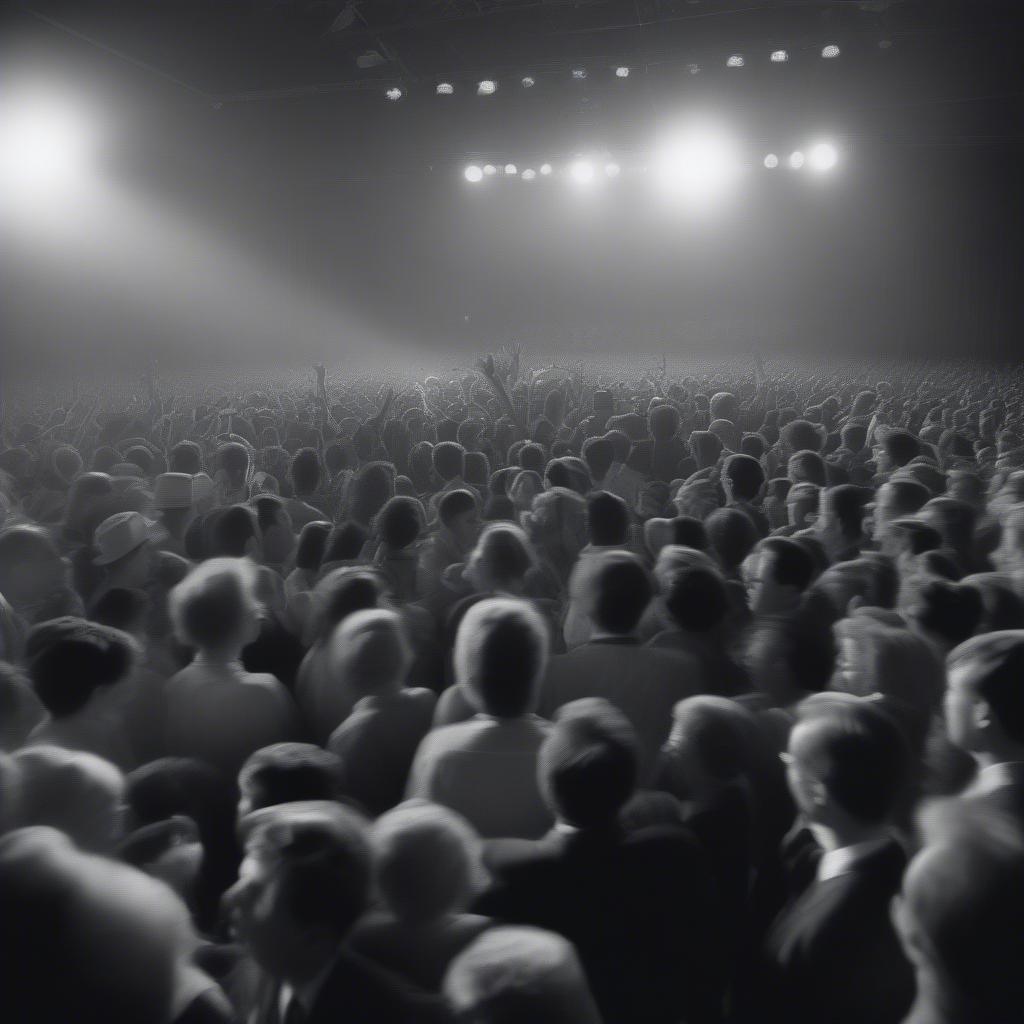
(516,696)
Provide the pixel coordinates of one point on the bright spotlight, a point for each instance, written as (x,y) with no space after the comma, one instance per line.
(796,160)
(771,161)
(545,169)
(582,172)
(490,169)
(511,170)
(622,72)
(823,157)
(830,52)
(473,173)
(579,74)
(445,89)
(529,174)
(735,61)
(394,94)
(486,88)
(612,170)
(779,56)
(696,165)
(528,82)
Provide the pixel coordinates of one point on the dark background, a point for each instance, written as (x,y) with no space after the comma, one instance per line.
(295,213)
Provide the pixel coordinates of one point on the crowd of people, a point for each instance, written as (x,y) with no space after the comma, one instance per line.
(515,695)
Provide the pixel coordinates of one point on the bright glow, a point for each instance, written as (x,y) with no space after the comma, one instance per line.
(612,170)
(445,89)
(735,61)
(528,82)
(579,74)
(473,173)
(697,165)
(545,169)
(796,160)
(487,87)
(779,56)
(582,172)
(694,69)
(490,169)
(394,94)
(511,169)
(529,174)
(44,147)
(830,52)
(771,161)
(823,157)
(622,72)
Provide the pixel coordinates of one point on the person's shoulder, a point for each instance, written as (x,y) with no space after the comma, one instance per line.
(361,991)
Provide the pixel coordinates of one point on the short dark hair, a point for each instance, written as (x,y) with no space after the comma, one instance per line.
(400,522)
(211,605)
(340,593)
(745,474)
(949,610)
(802,435)
(588,764)
(995,664)
(506,551)
(847,502)
(312,543)
(861,754)
(916,537)
(901,446)
(696,598)
(453,505)
(607,519)
(804,644)
(732,534)
(230,531)
(622,589)
(791,564)
(186,457)
(345,542)
(449,459)
(120,608)
(531,456)
(598,454)
(69,659)
(285,772)
(909,496)
(305,471)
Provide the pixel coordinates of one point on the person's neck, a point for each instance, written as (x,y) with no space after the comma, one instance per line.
(224,657)
(935,1004)
(839,835)
(999,754)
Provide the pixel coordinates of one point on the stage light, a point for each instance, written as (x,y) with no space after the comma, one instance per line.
(490,169)
(696,165)
(830,52)
(545,169)
(823,157)
(394,94)
(473,173)
(511,170)
(579,74)
(796,160)
(779,56)
(528,82)
(622,72)
(529,174)
(486,88)
(693,69)
(445,89)
(735,61)
(771,161)
(582,172)
(612,170)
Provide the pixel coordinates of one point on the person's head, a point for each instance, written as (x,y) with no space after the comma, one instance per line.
(899,447)
(742,478)
(945,613)
(186,457)
(807,467)
(30,565)
(501,559)
(400,522)
(853,436)
(309,552)
(345,542)
(123,609)
(840,516)
(801,504)
(519,974)
(76,665)
(696,599)
(733,535)
(215,609)
(285,772)
(340,593)
(706,448)
(1001,606)
(449,460)
(304,472)
(233,532)
(870,581)
(789,656)
(803,436)
(427,859)
(984,704)
(753,445)
(614,590)
(724,406)
(588,764)
(598,454)
(304,881)
(896,499)
(501,653)
(368,652)
(233,458)
(779,572)
(524,487)
(607,519)
(71,790)
(373,485)
(954,520)
(847,765)
(459,516)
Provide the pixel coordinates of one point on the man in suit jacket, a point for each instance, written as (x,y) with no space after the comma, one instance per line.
(985,716)
(833,954)
(644,683)
(639,907)
(303,883)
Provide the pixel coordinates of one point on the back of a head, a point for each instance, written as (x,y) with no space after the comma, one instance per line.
(598,453)
(121,608)
(907,496)
(400,522)
(186,457)
(949,611)
(502,556)
(802,435)
(901,446)
(720,733)
(531,456)
(454,504)
(312,543)
(449,460)
(215,604)
(286,772)
(511,975)
(588,764)
(724,406)
(607,519)
(501,652)
(993,665)
(806,466)
(368,651)
(231,531)
(340,593)
(696,599)
(345,542)
(745,475)
(732,534)
(619,590)
(22,548)
(305,471)
(234,459)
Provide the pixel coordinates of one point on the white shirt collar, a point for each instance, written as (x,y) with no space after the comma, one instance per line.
(997,776)
(840,862)
(306,993)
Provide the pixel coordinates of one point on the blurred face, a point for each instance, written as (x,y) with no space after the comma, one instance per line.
(800,508)
(801,779)
(884,512)
(960,708)
(764,595)
(768,672)
(850,665)
(465,528)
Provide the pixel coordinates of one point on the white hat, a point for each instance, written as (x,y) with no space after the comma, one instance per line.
(120,535)
(172,490)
